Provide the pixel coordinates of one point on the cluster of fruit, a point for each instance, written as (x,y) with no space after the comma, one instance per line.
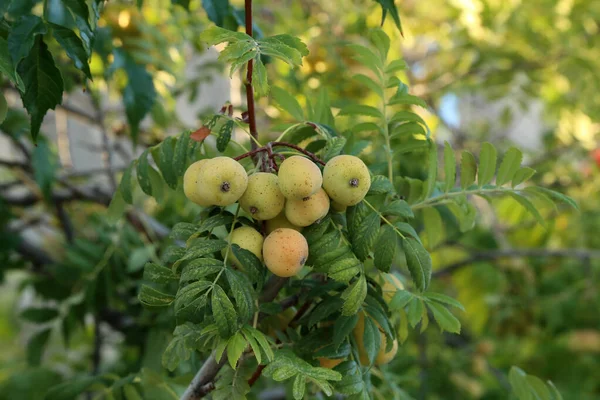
(298,196)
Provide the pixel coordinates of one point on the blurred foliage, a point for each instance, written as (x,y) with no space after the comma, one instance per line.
(538,312)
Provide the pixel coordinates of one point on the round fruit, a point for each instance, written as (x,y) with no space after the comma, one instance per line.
(262,198)
(285,251)
(390,285)
(280,221)
(299,177)
(384,357)
(304,212)
(191,187)
(329,362)
(346,179)
(247,238)
(223,181)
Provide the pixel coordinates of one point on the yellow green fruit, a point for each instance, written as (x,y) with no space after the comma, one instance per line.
(222,181)
(299,177)
(346,180)
(390,285)
(191,187)
(280,221)
(247,238)
(382,356)
(306,211)
(285,251)
(262,198)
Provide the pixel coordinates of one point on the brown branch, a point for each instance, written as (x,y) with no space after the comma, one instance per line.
(583,254)
(300,149)
(248,84)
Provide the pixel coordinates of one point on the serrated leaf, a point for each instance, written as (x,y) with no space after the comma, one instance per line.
(487,164)
(223,312)
(352,381)
(73,46)
(343,270)
(360,109)
(163,156)
(126,186)
(299,387)
(371,339)
(343,327)
(143,173)
(224,136)
(389,6)
(380,185)
(522,175)
(407,230)
(180,156)
(215,221)
(259,78)
(557,196)
(410,145)
(200,249)
(235,347)
(7,67)
(529,206)
(363,236)
(539,388)
(409,99)
(400,300)
(444,318)
(293,42)
(151,297)
(354,296)
(434,227)
(518,381)
(468,169)
(215,35)
(381,41)
(442,298)
(39,315)
(385,248)
(509,166)
(369,83)
(264,343)
(449,167)
(23,35)
(249,262)
(324,309)
(399,208)
(217,10)
(287,102)
(158,274)
(418,261)
(334,147)
(200,268)
(43,84)
(241,288)
(44,163)
(365,56)
(275,48)
(415,311)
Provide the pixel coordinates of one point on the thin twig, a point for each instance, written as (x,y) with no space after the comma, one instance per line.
(248,84)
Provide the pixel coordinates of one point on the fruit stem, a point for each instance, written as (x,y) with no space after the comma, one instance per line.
(249,88)
(272,155)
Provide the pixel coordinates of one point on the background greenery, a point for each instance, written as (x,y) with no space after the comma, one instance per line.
(70,307)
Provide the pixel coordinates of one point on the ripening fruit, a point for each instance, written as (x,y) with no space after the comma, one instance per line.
(247,238)
(304,212)
(358,332)
(285,251)
(191,187)
(390,285)
(223,181)
(329,362)
(299,177)
(262,198)
(280,221)
(382,356)
(346,180)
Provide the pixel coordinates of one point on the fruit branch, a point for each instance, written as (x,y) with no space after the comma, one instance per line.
(248,83)
(270,145)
